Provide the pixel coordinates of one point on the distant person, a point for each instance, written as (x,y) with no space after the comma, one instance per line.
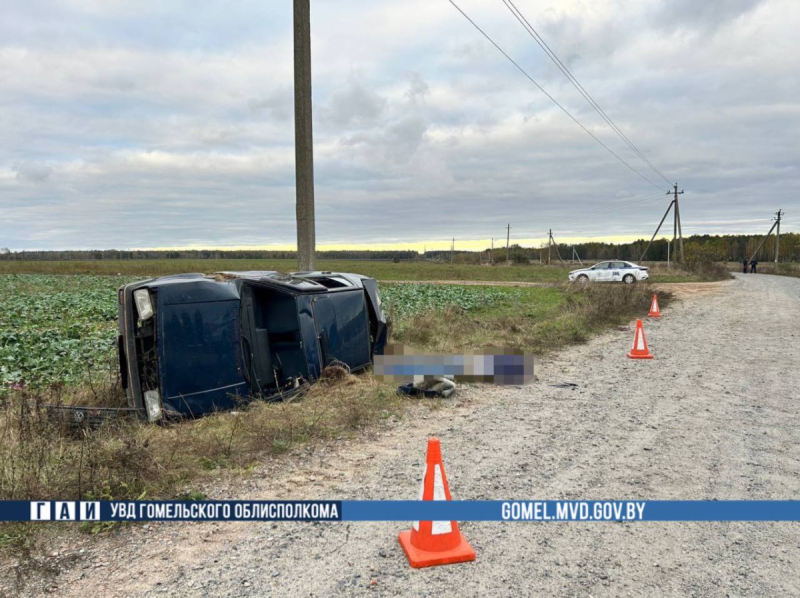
(753,264)
(744,265)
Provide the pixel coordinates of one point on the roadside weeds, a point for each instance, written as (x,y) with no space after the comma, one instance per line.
(131,460)
(537,321)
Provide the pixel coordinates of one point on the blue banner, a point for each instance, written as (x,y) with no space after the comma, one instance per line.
(400,510)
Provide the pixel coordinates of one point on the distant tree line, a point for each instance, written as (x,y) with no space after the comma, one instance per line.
(718,248)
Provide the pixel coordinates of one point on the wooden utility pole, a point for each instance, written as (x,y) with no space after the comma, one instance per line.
(491,255)
(508,238)
(779,213)
(303,137)
(452,249)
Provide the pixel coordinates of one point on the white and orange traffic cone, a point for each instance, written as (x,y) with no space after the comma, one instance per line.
(654,311)
(639,349)
(430,543)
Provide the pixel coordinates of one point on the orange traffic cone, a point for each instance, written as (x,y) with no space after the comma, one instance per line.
(435,542)
(654,311)
(639,349)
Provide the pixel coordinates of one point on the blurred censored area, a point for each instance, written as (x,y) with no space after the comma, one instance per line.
(493,365)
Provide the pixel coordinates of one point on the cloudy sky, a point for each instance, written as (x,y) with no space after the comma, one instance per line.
(132,124)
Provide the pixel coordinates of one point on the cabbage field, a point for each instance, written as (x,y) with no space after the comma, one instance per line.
(62,329)
(55,328)
(402,300)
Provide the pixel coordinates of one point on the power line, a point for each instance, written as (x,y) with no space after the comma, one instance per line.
(552,99)
(568,74)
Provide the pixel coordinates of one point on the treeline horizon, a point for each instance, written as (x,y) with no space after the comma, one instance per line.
(714,247)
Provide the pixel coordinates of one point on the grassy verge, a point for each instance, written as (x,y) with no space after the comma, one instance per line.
(132,460)
(781,269)
(536,320)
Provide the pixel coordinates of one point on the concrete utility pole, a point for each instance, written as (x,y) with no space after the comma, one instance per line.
(677,235)
(779,213)
(491,255)
(678,230)
(575,256)
(452,249)
(508,238)
(658,228)
(551,242)
(303,137)
(764,240)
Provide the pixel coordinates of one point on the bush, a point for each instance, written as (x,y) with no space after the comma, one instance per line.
(705,261)
(598,303)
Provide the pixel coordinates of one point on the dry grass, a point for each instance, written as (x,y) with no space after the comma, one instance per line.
(40,459)
(578,313)
(781,269)
(706,270)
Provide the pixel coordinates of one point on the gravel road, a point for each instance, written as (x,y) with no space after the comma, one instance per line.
(711,417)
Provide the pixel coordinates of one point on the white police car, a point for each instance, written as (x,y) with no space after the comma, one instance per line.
(626,272)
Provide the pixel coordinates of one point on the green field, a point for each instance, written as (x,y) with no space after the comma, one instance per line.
(61,329)
(56,328)
(58,319)
(386,271)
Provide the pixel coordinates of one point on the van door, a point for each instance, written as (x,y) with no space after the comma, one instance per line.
(327,329)
(352,321)
(199,356)
(256,355)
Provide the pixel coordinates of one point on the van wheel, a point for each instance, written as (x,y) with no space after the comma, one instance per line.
(629,279)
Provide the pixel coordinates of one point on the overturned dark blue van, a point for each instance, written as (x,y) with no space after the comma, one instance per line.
(191,344)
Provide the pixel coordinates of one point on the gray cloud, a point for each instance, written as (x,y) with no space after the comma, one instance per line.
(129,133)
(353,105)
(32,172)
(418,89)
(702,15)
(278,105)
